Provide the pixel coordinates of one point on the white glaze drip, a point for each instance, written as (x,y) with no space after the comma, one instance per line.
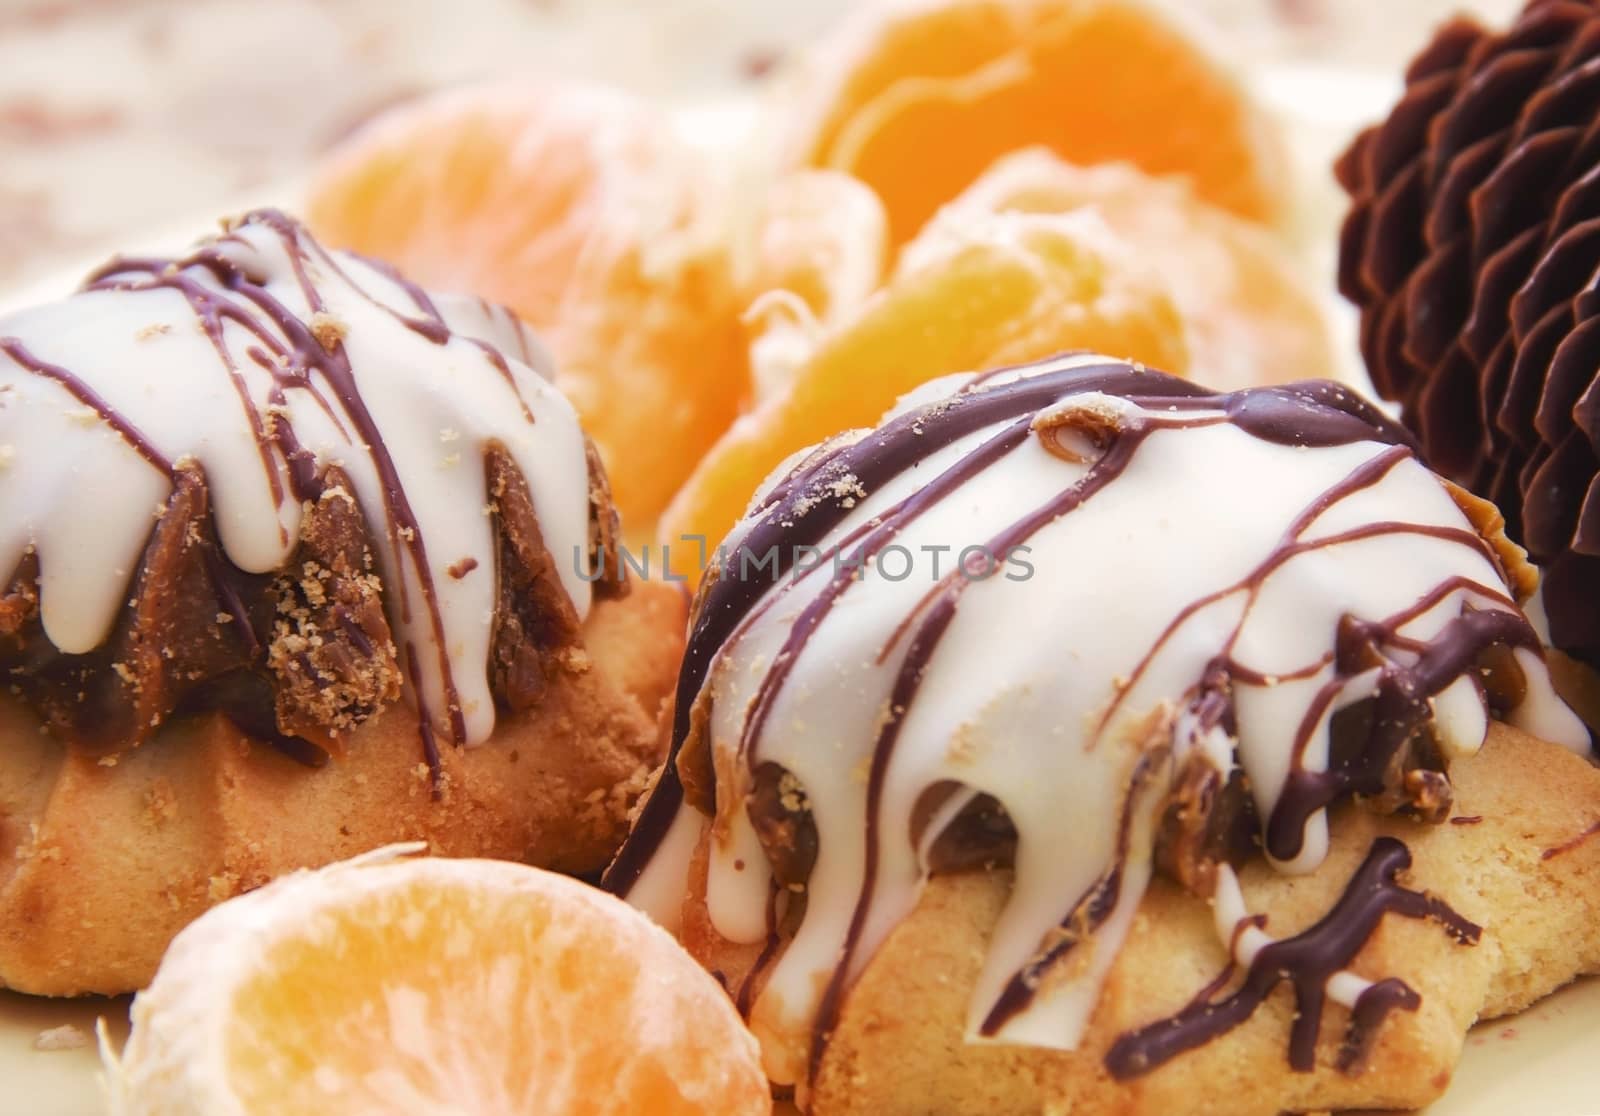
(1047,692)
(439,392)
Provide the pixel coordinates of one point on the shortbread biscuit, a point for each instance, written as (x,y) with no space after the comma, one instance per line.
(1210,698)
(899,1049)
(298,559)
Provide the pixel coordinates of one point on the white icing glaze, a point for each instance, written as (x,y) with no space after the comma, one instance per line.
(1021,699)
(80,494)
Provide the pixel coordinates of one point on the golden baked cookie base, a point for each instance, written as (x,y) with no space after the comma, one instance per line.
(100,865)
(898,1048)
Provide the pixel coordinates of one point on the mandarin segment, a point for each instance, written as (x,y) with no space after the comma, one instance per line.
(821,235)
(492,190)
(1251,317)
(585,213)
(991,290)
(820,249)
(427,986)
(917,97)
(655,362)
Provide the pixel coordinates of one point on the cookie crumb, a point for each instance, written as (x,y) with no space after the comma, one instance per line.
(160,802)
(222,886)
(327,329)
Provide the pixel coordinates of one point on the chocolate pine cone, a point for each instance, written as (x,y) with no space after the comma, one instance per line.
(1472,249)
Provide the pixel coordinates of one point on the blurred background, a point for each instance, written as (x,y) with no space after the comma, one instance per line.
(120,116)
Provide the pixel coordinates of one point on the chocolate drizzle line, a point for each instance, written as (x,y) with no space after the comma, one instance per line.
(14,348)
(1087,915)
(430,745)
(807,505)
(893,521)
(1403,693)
(431,325)
(1567,846)
(290,350)
(1307,961)
(301,355)
(800,512)
(744,998)
(920,649)
(1400,708)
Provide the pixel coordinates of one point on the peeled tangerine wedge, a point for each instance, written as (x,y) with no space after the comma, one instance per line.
(917,97)
(991,289)
(819,248)
(822,236)
(583,211)
(1252,318)
(1035,257)
(406,987)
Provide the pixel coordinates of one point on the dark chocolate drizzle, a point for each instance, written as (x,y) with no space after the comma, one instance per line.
(1086,916)
(14,348)
(300,356)
(1399,710)
(805,506)
(800,511)
(1307,961)
(432,326)
(1584,835)
(290,349)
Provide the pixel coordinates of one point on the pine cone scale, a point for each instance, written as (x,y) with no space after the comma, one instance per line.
(1587,539)
(1570,580)
(1437,302)
(1586,412)
(1567,102)
(1558,484)
(1394,146)
(1452,45)
(1500,209)
(1394,234)
(1449,419)
(1571,372)
(1499,279)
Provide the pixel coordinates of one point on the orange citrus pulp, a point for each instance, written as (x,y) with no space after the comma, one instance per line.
(917,97)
